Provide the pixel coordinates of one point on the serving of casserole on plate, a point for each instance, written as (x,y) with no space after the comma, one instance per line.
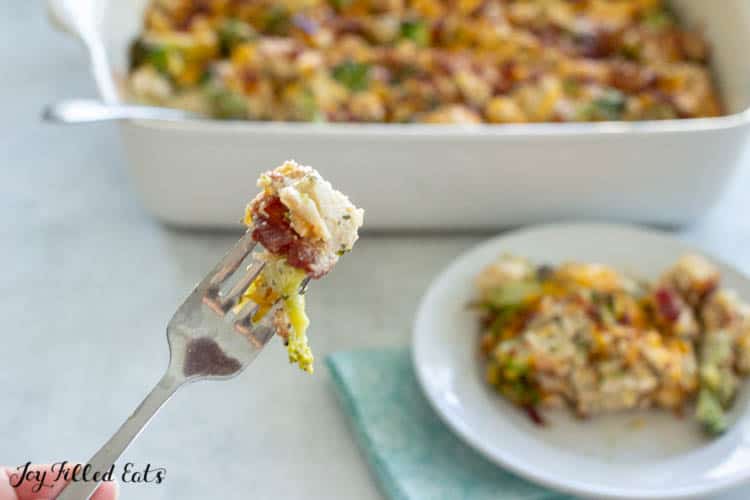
(666,171)
(593,338)
(623,448)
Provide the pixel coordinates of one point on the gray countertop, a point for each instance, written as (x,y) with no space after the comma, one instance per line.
(91,280)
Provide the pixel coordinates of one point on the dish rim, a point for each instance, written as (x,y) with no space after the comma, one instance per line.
(570,486)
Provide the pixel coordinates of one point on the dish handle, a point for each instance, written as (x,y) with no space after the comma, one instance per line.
(81,19)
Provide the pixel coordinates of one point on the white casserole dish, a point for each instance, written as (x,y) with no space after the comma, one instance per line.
(199,173)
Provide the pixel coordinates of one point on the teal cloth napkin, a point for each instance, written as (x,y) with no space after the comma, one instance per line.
(413,454)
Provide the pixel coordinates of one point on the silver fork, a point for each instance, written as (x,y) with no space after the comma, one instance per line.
(209,339)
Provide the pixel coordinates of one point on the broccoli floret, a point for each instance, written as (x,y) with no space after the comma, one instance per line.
(354,75)
(233,32)
(277,20)
(228,105)
(416,31)
(512,294)
(658,19)
(340,4)
(610,106)
(142,52)
(718,381)
(710,413)
(717,366)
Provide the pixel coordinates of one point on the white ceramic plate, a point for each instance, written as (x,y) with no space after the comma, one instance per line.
(645,455)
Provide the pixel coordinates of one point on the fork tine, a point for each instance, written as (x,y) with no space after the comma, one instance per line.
(232,297)
(207,290)
(245,315)
(232,260)
(258,333)
(222,304)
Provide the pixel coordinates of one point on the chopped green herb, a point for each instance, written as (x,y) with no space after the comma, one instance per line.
(142,52)
(355,76)
(608,107)
(277,21)
(233,32)
(660,111)
(631,51)
(571,86)
(512,294)
(514,369)
(309,110)
(502,316)
(516,384)
(159,57)
(658,19)
(228,105)
(582,342)
(416,31)
(340,4)
(137,54)
(403,73)
(206,78)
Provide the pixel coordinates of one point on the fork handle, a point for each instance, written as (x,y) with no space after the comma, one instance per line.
(126,434)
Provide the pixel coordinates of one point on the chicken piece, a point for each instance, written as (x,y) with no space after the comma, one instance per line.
(673,361)
(455,114)
(673,314)
(693,277)
(299,216)
(595,276)
(612,387)
(507,269)
(723,309)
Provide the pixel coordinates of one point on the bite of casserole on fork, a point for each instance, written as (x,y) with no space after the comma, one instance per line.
(304,226)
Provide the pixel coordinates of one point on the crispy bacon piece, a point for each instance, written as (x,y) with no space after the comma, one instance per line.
(273,231)
(668,304)
(534,415)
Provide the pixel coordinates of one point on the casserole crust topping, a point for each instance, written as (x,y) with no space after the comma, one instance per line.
(429,61)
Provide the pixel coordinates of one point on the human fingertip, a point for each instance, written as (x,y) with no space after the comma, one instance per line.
(107,491)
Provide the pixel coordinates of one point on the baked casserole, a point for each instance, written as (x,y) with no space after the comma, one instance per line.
(427,61)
